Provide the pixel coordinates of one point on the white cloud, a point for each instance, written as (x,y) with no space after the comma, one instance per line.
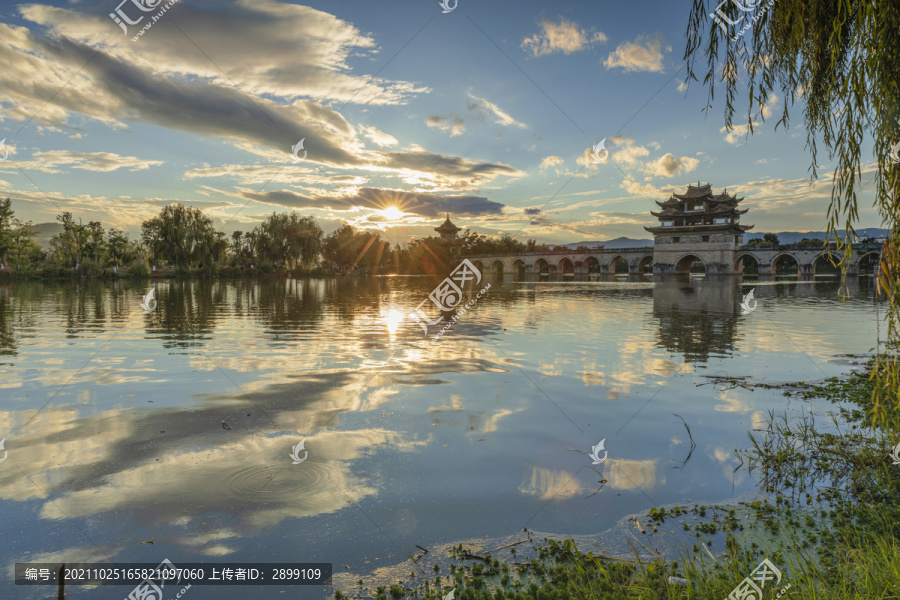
(378,138)
(482,106)
(640,55)
(682,86)
(260,174)
(737,132)
(51,161)
(641,189)
(551,161)
(768,109)
(566,37)
(630,153)
(668,165)
(586,159)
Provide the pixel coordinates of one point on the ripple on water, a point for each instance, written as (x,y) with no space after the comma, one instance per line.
(277,480)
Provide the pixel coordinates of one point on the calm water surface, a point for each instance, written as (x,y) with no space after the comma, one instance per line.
(177,425)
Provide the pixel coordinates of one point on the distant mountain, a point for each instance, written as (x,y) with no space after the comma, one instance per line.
(792,237)
(45,231)
(784,237)
(620,242)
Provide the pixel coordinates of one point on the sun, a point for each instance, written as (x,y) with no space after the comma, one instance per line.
(392,212)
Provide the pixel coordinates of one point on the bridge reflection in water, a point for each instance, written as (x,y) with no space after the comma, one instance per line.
(698,316)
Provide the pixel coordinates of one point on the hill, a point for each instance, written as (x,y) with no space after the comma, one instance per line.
(45,231)
(785,237)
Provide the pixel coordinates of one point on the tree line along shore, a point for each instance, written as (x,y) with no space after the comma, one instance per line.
(182,241)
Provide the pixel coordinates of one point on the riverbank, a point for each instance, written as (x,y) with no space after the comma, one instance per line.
(827,521)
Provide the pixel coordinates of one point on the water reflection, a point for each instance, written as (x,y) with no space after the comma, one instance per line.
(407,437)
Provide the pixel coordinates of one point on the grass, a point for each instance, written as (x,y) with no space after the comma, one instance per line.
(831,526)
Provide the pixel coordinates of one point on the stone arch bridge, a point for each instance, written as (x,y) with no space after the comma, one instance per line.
(764,260)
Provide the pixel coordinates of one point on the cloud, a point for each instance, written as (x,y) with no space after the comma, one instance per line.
(270,48)
(586,159)
(566,37)
(114,92)
(87,161)
(532,211)
(640,55)
(439,169)
(551,161)
(768,109)
(741,131)
(452,123)
(482,106)
(682,86)
(111,90)
(421,204)
(260,174)
(737,132)
(378,138)
(630,152)
(668,165)
(642,189)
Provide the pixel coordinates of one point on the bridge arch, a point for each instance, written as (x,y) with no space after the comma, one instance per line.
(478,265)
(866,263)
(786,262)
(519,266)
(746,263)
(618,265)
(565,266)
(645,265)
(541,267)
(821,264)
(497,267)
(592,264)
(686,264)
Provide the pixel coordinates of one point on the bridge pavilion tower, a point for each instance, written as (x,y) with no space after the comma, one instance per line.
(698,226)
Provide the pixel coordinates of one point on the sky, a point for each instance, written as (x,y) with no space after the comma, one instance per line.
(489,112)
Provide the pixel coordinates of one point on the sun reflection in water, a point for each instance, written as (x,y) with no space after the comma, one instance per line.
(392,321)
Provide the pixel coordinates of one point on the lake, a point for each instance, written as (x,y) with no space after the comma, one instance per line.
(181,425)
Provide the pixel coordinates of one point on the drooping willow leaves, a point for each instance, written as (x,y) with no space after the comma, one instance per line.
(839,62)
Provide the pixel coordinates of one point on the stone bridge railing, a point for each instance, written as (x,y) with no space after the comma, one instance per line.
(641,260)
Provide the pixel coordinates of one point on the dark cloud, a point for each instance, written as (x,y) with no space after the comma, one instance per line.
(425,205)
(110,89)
(209,109)
(451,166)
(532,211)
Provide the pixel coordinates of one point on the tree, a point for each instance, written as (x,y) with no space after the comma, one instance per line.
(841,59)
(6,226)
(25,251)
(117,247)
(430,255)
(182,236)
(768,239)
(69,244)
(237,244)
(289,239)
(346,246)
(94,239)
